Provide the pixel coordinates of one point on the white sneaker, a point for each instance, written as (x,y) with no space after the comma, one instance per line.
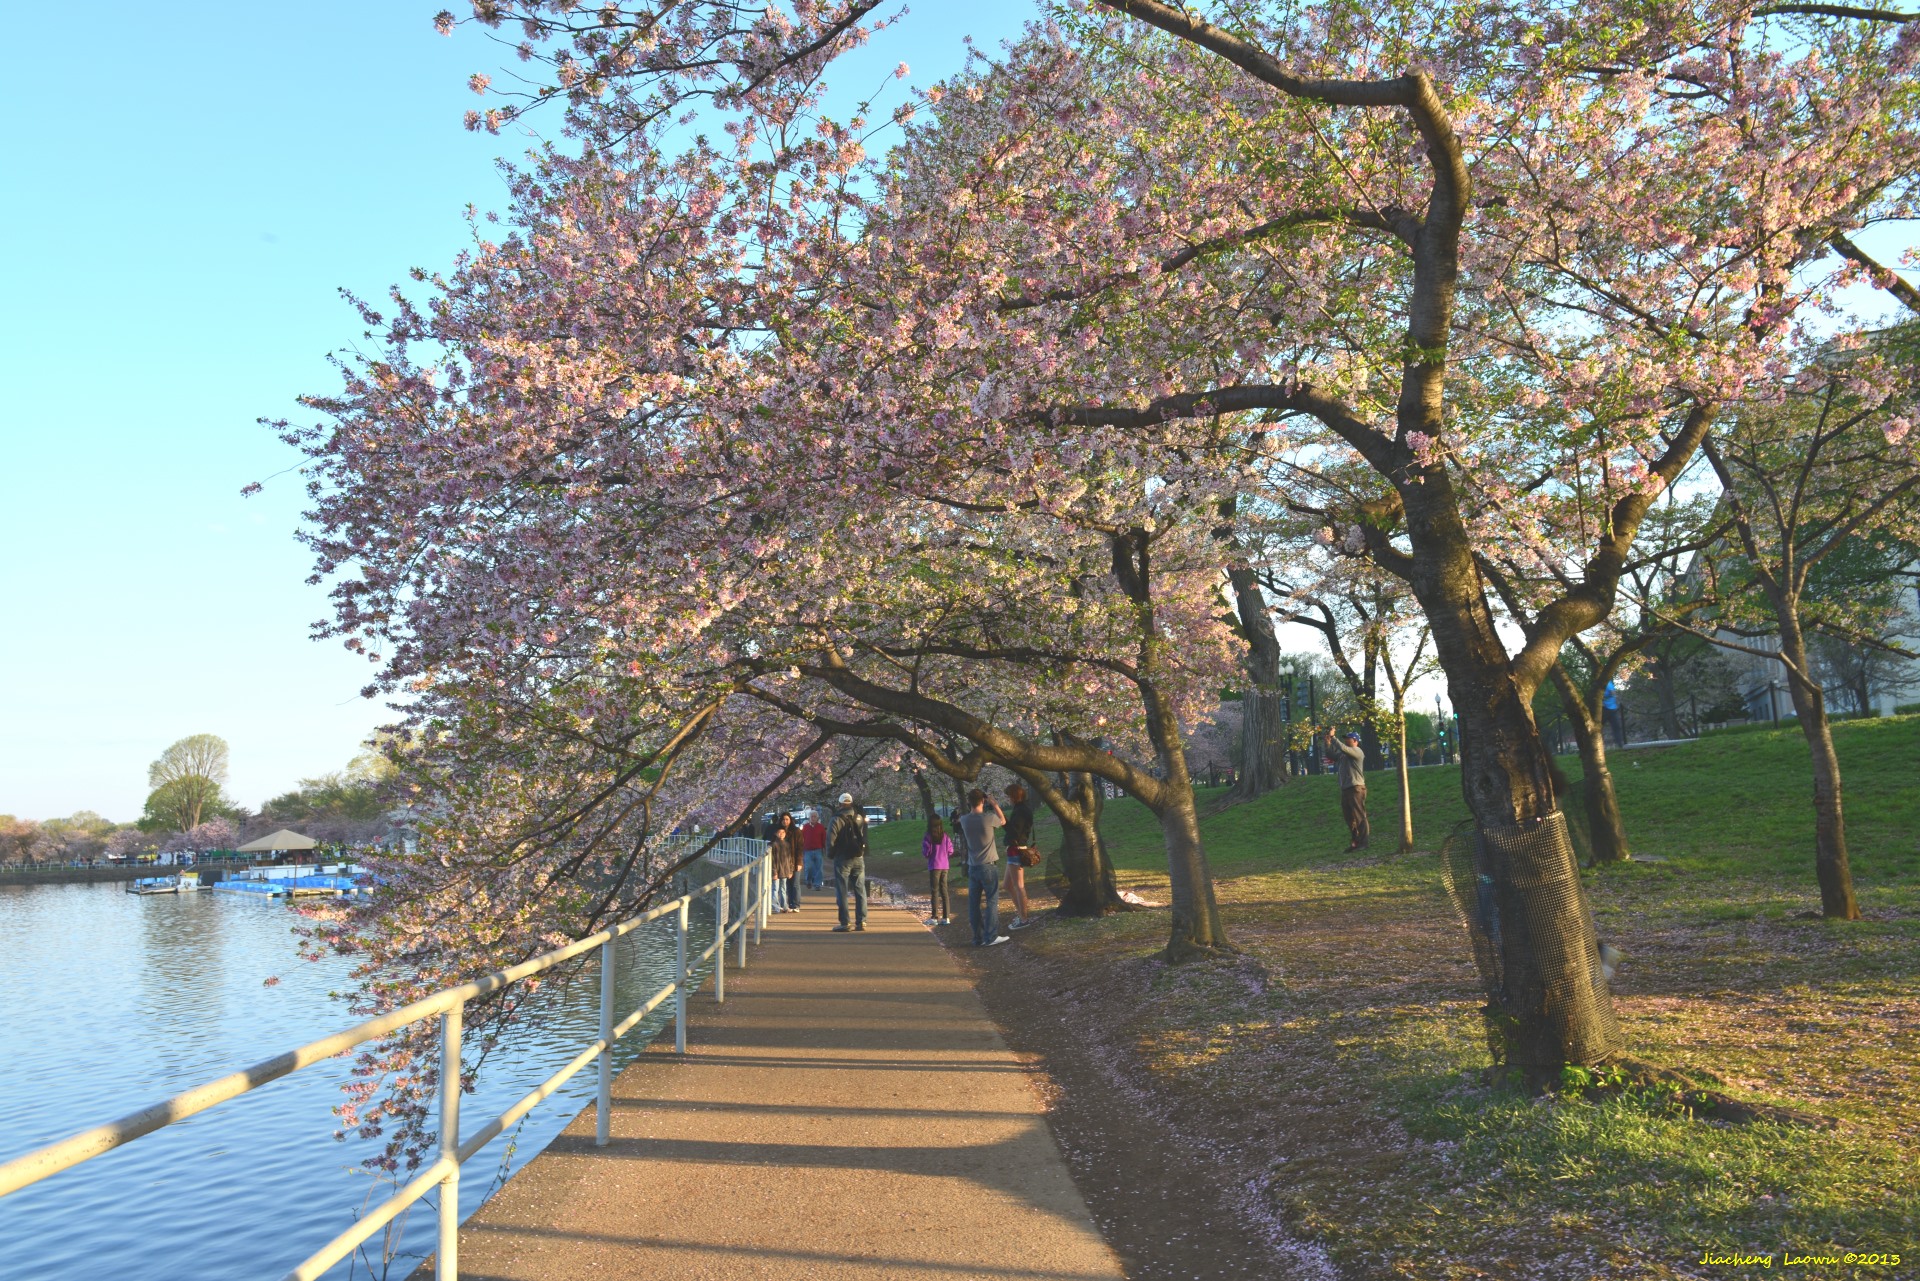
(946,920)
(933,920)
(997,942)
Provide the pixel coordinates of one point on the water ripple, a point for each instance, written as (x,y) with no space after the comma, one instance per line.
(113,1001)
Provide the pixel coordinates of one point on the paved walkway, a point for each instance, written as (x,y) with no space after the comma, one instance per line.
(849,1113)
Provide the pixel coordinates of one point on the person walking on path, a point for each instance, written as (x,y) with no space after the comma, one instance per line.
(813,847)
(1353,787)
(937,848)
(1022,853)
(983,869)
(784,855)
(847,844)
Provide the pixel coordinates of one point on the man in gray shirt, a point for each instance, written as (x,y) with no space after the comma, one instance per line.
(1352,764)
(983,868)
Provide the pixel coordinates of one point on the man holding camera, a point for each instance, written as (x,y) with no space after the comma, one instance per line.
(983,868)
(1352,763)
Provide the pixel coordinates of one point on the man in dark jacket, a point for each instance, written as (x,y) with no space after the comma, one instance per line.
(1352,763)
(847,846)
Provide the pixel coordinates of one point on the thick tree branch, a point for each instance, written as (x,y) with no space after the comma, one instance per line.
(966,768)
(998,743)
(1377,448)
(1436,248)
(1835,11)
(1883,277)
(1008,654)
(1591,599)
(1395,221)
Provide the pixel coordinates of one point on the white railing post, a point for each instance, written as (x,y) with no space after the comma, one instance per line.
(680,980)
(446,1259)
(746,910)
(603,1105)
(720,941)
(764,903)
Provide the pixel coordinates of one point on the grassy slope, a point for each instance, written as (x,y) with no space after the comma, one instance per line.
(1738,804)
(1374,1004)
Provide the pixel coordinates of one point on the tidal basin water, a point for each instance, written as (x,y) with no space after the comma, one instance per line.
(111,1001)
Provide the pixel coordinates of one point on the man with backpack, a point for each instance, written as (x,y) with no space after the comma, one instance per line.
(847,846)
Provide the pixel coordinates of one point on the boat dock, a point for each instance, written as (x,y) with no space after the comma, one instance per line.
(292,886)
(181,883)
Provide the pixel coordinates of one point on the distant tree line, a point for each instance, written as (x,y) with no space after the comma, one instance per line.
(188,809)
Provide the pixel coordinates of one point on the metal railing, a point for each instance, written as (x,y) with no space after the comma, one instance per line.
(449,1005)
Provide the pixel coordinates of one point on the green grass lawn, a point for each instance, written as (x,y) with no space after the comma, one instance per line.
(1364,1042)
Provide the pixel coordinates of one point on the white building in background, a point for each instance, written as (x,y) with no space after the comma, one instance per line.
(1891,680)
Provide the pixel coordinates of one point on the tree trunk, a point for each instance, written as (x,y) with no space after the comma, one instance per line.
(1667,690)
(1263,739)
(1829,822)
(1370,745)
(1197,929)
(1406,795)
(1548,1003)
(1606,829)
(1263,746)
(926,800)
(1085,885)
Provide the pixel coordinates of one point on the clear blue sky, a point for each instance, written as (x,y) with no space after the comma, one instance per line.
(186,190)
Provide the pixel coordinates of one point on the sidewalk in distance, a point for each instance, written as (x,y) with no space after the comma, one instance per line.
(849,1113)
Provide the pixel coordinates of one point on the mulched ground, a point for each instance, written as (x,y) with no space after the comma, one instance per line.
(1242,1118)
(1175,1198)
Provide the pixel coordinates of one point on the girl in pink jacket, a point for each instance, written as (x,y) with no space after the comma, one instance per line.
(937,848)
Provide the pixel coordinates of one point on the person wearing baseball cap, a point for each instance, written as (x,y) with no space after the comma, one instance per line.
(847,846)
(1353,787)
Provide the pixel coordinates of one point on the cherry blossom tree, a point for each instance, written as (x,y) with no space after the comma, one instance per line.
(214,834)
(742,549)
(1677,159)
(616,613)
(1832,464)
(129,842)
(1485,261)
